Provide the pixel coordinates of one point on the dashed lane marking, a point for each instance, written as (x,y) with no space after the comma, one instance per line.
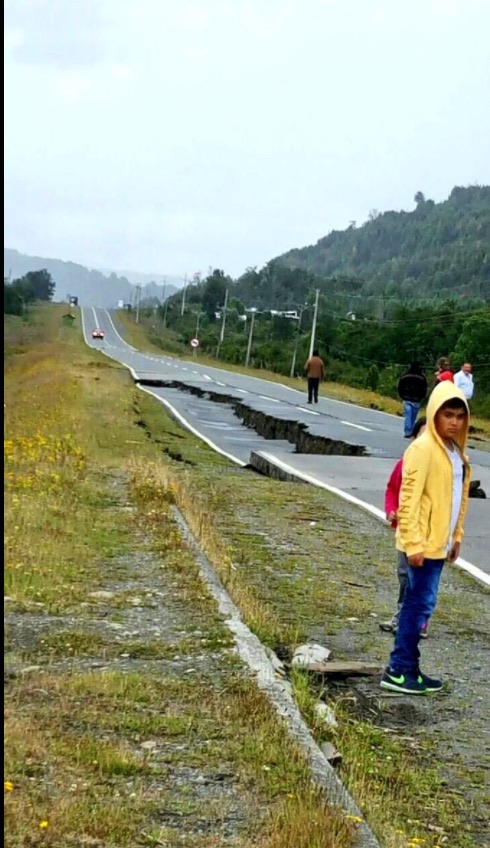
(309,411)
(357,426)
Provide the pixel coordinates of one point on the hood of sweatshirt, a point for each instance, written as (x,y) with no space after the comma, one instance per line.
(440,395)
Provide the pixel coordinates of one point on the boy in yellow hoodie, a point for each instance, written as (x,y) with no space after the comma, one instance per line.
(433,502)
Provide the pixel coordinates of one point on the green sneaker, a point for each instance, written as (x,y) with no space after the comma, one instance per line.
(431,683)
(405,684)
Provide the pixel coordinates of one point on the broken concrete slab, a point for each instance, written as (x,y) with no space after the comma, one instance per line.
(310,654)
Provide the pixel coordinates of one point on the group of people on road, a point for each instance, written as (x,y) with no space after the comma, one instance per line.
(413,388)
(425,503)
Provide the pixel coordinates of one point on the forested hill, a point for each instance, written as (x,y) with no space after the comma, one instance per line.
(438,249)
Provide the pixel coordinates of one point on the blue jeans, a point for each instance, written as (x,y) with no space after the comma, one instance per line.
(402,574)
(410,411)
(418,605)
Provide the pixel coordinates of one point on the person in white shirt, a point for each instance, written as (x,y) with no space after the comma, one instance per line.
(464,380)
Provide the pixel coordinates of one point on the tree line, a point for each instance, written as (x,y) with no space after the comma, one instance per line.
(19,294)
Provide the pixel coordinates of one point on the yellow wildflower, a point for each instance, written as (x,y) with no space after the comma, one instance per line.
(8,786)
(43,824)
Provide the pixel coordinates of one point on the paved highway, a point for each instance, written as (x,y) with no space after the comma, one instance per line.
(375,434)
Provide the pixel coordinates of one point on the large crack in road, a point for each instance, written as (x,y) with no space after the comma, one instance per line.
(268,426)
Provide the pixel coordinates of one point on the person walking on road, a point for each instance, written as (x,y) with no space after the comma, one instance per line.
(433,502)
(392,501)
(464,380)
(315,372)
(412,388)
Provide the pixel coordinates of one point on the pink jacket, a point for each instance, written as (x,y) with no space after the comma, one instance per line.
(392,493)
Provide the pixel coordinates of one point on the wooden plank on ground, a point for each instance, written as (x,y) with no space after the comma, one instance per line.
(344,668)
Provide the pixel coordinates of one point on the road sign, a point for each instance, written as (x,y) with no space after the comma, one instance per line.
(194,343)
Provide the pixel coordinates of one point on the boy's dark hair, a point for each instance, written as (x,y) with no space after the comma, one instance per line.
(454,403)
(421,422)
(315,352)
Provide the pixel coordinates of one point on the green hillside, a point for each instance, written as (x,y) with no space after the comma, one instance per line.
(437,250)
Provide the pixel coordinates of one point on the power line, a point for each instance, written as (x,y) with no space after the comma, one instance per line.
(402,321)
(350,356)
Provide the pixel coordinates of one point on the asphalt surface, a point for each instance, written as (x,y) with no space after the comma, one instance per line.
(377,434)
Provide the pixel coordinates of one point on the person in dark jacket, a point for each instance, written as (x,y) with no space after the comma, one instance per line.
(412,388)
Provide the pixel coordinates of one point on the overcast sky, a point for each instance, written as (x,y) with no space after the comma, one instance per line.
(168,136)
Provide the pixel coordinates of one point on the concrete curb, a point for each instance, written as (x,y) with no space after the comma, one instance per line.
(253,653)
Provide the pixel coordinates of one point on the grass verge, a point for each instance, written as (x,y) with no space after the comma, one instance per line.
(137,725)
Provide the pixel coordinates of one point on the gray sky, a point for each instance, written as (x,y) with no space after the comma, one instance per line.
(172,135)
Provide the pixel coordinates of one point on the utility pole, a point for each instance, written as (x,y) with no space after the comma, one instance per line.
(164,305)
(198,321)
(182,308)
(138,298)
(250,337)
(313,327)
(296,340)
(223,324)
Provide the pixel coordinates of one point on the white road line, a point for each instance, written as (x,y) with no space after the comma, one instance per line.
(207,377)
(192,429)
(117,334)
(473,570)
(357,426)
(220,384)
(213,425)
(378,513)
(309,411)
(243,391)
(83,327)
(271,400)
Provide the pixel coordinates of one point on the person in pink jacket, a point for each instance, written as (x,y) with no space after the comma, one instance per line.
(392,498)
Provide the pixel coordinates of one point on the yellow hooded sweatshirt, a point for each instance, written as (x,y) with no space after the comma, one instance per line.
(424,513)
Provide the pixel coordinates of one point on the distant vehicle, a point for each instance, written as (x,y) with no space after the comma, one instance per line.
(97,334)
